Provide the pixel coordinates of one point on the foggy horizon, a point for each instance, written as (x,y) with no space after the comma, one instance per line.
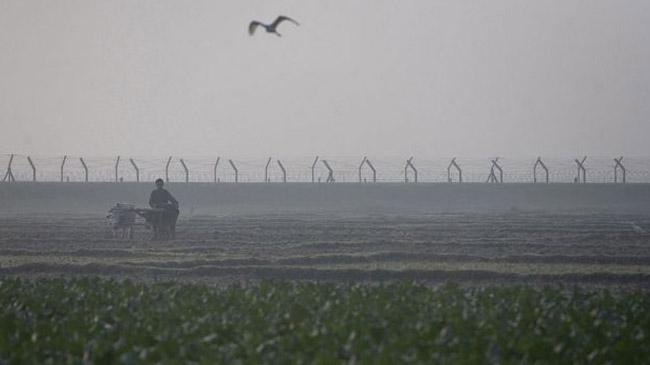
(430,79)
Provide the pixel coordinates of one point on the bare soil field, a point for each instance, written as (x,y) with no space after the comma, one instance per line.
(470,233)
(501,247)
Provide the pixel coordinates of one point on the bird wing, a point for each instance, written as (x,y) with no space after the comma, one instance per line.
(252,26)
(282,18)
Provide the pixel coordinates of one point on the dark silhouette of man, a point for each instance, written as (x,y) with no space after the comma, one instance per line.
(163,199)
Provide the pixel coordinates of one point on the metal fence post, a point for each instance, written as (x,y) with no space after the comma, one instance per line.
(495,163)
(409,164)
(540,163)
(9,175)
(313,167)
(582,171)
(330,175)
(31,163)
(83,164)
(63,164)
(619,165)
(216,163)
(266,170)
(492,177)
(117,164)
(361,166)
(137,170)
(187,171)
(455,165)
(169,160)
(232,164)
(284,172)
(374,171)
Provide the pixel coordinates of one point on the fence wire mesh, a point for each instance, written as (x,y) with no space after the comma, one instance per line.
(599,169)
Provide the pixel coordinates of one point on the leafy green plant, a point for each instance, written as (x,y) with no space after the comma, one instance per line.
(111,321)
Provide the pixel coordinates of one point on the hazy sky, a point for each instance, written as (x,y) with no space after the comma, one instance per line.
(435,78)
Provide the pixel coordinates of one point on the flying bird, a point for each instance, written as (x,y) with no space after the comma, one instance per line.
(270,28)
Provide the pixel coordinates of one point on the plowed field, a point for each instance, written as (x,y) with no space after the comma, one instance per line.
(599,249)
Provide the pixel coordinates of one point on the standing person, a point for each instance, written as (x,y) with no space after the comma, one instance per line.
(163,199)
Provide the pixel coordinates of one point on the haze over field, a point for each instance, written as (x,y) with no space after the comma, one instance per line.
(364,77)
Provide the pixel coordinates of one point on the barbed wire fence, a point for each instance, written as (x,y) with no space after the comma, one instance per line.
(345,169)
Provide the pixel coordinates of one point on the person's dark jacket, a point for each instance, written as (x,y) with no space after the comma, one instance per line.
(161,198)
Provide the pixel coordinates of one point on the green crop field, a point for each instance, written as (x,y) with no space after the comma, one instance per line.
(108,321)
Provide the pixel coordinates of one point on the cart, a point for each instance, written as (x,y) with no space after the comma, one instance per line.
(162,221)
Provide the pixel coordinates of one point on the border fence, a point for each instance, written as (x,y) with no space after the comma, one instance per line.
(325,169)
